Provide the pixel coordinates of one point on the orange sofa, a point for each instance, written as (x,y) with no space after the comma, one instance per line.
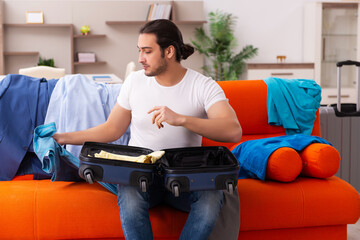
(306,208)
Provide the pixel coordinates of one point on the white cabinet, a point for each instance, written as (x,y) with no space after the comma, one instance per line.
(280,70)
(330,36)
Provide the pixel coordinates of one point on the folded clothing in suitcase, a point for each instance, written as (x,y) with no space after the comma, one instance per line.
(182,169)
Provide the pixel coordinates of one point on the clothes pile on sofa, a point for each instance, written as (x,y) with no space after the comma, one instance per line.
(73,103)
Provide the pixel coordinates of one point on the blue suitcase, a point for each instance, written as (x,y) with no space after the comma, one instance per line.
(181,169)
(115,171)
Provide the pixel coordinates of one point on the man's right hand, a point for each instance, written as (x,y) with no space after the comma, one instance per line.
(58,138)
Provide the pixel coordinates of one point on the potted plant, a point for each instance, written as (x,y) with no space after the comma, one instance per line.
(219,46)
(46,62)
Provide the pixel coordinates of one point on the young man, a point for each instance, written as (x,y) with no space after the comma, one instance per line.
(168,106)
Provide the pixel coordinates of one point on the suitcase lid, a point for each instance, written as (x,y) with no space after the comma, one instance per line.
(215,157)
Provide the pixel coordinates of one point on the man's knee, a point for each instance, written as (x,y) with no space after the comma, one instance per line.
(131,198)
(208,200)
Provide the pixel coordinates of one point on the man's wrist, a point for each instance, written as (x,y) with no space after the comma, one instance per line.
(184,120)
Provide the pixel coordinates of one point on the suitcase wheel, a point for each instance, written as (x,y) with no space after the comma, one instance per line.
(230,187)
(175,188)
(143,184)
(89,175)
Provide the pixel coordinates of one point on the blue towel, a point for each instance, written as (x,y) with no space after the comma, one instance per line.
(57,160)
(292,103)
(253,155)
(54,158)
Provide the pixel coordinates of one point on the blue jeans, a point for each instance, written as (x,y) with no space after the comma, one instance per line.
(204,207)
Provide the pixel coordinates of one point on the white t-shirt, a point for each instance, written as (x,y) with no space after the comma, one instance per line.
(192,96)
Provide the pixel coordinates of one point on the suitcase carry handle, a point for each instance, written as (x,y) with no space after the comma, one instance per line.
(339,65)
(348,63)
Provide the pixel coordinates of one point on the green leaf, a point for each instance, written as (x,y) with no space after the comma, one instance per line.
(218,47)
(46,62)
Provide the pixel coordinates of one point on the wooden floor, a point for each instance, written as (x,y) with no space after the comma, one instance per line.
(354,231)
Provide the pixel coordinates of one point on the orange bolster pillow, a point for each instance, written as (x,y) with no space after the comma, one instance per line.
(284,165)
(320,160)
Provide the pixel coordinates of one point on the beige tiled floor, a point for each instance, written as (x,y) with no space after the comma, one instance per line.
(354,231)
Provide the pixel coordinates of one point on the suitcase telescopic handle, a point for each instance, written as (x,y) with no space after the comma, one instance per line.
(348,62)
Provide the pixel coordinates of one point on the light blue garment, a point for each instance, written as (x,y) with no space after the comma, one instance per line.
(78,103)
(253,154)
(292,103)
(55,159)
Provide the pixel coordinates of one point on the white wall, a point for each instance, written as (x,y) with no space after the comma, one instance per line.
(275,27)
(117,48)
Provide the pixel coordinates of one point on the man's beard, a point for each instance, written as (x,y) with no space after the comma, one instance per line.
(160,69)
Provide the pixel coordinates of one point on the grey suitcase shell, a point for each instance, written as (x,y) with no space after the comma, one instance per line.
(340,125)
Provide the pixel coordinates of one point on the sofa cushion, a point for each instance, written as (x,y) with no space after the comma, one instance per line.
(42,208)
(337,232)
(23,177)
(251,111)
(305,202)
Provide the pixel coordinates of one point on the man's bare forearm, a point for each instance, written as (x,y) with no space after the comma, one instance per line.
(100,133)
(222,130)
(114,127)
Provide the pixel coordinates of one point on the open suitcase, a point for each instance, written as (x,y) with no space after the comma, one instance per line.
(181,169)
(114,171)
(340,125)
